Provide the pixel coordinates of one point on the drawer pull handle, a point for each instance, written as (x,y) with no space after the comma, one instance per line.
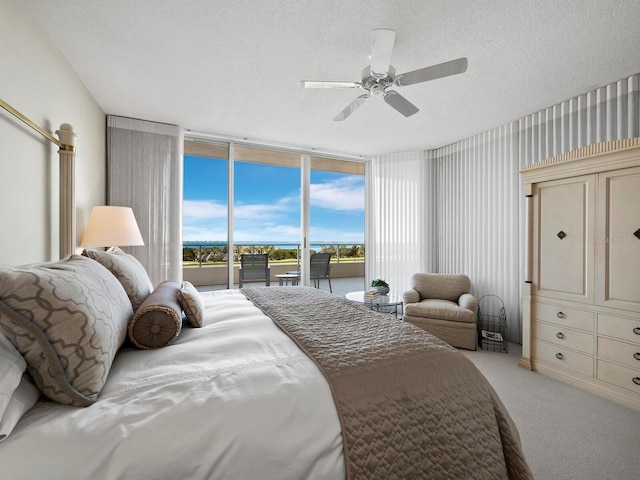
(562,315)
(636,330)
(636,355)
(560,335)
(561,234)
(560,356)
(636,380)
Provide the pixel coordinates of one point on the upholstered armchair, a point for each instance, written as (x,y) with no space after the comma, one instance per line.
(442,305)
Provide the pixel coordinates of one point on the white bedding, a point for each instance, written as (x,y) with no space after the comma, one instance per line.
(235,399)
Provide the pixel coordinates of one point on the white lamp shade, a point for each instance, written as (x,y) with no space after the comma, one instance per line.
(111,226)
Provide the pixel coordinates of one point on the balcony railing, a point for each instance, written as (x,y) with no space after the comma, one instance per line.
(216,253)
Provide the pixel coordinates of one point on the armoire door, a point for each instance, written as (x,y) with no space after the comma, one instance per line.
(618,239)
(564,213)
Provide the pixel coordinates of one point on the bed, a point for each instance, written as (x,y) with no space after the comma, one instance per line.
(270,383)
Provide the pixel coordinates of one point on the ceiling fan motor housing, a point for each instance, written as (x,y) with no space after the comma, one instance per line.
(375,84)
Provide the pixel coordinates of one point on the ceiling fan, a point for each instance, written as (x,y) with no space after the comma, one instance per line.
(380,76)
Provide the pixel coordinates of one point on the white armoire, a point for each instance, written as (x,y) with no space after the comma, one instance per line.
(581,301)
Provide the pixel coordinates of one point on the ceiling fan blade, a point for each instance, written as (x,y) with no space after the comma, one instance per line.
(321,84)
(381,48)
(445,69)
(352,107)
(401,104)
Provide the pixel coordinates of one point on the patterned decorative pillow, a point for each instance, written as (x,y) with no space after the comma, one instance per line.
(128,270)
(158,321)
(191,303)
(67,319)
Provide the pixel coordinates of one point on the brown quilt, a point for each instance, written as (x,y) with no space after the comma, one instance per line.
(410,406)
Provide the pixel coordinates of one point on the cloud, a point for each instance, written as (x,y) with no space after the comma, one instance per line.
(206,220)
(203,209)
(261,211)
(344,194)
(204,233)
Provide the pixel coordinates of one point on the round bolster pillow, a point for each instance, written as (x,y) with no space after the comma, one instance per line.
(158,321)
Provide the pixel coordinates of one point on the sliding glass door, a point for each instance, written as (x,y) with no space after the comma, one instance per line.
(336,213)
(266,208)
(205,214)
(286,205)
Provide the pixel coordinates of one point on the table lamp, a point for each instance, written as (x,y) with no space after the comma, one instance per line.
(111,226)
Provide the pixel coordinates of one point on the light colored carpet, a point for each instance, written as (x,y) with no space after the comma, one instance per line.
(566,433)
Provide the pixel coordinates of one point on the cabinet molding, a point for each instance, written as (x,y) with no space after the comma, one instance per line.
(581,298)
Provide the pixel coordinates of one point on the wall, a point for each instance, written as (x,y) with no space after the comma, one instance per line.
(480,207)
(38,82)
(460,208)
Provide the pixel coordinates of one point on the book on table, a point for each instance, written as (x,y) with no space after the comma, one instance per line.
(371,295)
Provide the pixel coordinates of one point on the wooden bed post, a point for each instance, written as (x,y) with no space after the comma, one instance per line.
(67,154)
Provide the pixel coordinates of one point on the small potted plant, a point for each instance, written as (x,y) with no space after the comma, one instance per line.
(381,286)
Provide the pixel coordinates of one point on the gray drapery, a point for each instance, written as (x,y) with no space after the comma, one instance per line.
(144,172)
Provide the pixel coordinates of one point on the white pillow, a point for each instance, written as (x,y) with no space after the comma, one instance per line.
(17,395)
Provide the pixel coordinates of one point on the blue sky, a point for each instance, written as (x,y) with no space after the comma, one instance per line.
(267,203)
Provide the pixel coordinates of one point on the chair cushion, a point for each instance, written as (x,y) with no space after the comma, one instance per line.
(441,286)
(441,310)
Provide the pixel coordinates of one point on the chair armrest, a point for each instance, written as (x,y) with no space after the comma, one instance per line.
(411,296)
(468,301)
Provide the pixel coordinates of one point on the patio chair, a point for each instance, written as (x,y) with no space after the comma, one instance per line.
(320,268)
(254,268)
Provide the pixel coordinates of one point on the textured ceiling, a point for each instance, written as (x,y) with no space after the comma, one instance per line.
(232,67)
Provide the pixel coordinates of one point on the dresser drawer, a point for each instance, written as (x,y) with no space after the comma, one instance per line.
(562,336)
(624,377)
(620,352)
(568,317)
(625,329)
(562,358)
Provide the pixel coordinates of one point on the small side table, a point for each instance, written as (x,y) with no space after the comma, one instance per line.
(382,301)
(285,278)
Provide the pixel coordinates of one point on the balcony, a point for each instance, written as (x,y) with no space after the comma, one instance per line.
(204,264)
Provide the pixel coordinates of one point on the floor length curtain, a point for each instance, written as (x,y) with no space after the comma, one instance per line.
(477,216)
(144,170)
(398,219)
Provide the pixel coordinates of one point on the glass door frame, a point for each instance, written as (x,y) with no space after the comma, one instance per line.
(306,162)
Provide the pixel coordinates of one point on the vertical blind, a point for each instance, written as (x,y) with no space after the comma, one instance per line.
(477,192)
(397,219)
(608,113)
(475,211)
(144,172)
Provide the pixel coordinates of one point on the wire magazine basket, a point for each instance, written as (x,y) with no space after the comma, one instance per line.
(493,331)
